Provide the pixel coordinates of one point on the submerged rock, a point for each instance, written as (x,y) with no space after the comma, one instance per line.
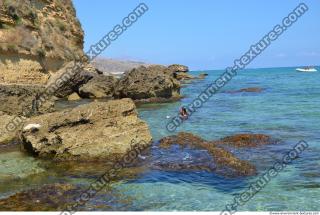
(247,140)
(203,75)
(225,162)
(247,90)
(99,130)
(185,167)
(17,165)
(147,82)
(50,197)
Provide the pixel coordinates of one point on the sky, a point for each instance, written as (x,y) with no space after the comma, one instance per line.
(203,34)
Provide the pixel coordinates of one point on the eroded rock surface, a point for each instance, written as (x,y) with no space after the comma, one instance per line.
(68,79)
(22,100)
(36,39)
(147,82)
(178,68)
(6,135)
(99,130)
(100,86)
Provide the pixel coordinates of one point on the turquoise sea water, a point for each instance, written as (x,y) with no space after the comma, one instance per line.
(288,109)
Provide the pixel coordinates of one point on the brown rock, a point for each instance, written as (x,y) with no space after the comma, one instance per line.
(36,39)
(100,86)
(22,100)
(221,157)
(96,131)
(247,140)
(147,82)
(74,97)
(68,80)
(202,75)
(181,76)
(177,68)
(7,135)
(51,197)
(248,90)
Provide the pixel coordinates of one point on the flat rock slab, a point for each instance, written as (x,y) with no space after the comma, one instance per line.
(98,130)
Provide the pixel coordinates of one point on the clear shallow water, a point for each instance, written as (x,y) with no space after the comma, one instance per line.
(288,109)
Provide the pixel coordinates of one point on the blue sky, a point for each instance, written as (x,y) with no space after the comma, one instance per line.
(204,34)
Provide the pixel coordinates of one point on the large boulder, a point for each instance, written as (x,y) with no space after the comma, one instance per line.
(100,86)
(147,82)
(179,72)
(99,130)
(68,79)
(178,68)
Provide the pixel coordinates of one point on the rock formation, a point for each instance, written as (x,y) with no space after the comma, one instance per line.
(48,197)
(21,100)
(147,82)
(36,38)
(247,140)
(6,136)
(99,86)
(203,75)
(247,90)
(177,68)
(223,162)
(99,130)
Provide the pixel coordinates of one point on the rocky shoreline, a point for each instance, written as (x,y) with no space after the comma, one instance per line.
(38,70)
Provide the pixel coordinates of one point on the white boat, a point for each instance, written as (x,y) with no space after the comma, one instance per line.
(306,69)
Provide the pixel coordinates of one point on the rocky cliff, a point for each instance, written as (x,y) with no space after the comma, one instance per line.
(36,38)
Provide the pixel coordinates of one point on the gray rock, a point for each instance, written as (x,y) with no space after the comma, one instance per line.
(68,80)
